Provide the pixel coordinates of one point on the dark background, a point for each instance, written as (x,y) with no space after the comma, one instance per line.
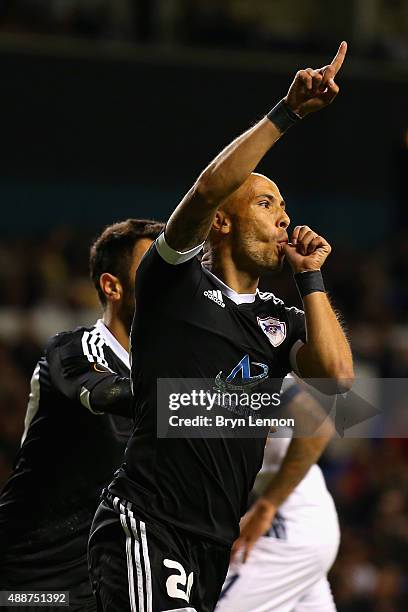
(110,109)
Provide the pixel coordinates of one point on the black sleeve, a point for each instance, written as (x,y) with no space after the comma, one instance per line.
(156,277)
(92,384)
(295,335)
(296,325)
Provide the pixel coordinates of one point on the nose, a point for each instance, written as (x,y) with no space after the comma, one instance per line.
(283,220)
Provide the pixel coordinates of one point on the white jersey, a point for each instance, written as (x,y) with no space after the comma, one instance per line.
(310,509)
(286,570)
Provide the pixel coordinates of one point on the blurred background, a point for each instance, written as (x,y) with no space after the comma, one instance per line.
(111,108)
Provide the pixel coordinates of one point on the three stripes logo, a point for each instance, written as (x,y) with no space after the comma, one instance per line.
(216,296)
(92,346)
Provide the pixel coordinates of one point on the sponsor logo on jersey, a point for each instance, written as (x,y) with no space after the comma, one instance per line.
(240,378)
(274,329)
(216,296)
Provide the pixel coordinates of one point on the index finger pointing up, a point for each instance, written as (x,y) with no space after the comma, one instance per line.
(338,60)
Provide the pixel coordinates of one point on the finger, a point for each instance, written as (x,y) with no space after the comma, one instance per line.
(314,244)
(328,74)
(288,247)
(304,229)
(303,245)
(295,234)
(331,92)
(306,79)
(338,59)
(316,79)
(321,244)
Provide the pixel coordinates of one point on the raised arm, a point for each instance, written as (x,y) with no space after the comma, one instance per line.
(310,91)
(326,356)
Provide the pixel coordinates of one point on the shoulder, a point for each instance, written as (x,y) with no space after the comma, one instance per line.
(267,296)
(81,342)
(279,305)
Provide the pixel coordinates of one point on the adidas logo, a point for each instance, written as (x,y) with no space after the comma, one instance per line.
(216,296)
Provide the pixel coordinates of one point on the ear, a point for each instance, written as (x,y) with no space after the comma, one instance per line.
(111,287)
(221,223)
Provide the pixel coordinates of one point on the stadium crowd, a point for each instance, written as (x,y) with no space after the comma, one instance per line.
(379,28)
(44,288)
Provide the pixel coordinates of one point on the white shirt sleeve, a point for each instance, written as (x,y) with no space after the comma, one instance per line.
(173,257)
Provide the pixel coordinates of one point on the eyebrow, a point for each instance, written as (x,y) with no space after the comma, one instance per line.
(270,196)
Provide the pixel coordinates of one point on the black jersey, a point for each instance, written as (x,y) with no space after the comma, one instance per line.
(186,327)
(69,451)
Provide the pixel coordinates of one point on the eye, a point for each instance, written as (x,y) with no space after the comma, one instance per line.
(264,204)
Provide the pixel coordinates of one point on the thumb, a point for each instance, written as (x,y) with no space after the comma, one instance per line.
(288,248)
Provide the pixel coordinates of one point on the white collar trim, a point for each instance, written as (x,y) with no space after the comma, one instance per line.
(111,341)
(237,298)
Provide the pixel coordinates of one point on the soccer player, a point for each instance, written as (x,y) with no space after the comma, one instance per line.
(290,537)
(162,535)
(78,421)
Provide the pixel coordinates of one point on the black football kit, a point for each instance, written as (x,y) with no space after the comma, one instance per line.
(161,537)
(77,424)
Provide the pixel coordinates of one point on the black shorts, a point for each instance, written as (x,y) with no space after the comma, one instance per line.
(59,565)
(141,565)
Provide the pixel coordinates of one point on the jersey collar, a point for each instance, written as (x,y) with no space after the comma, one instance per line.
(113,344)
(237,298)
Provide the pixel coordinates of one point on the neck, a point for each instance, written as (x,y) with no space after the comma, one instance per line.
(116,328)
(238,279)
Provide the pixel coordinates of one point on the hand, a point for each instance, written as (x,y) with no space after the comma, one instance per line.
(256,522)
(312,90)
(307,251)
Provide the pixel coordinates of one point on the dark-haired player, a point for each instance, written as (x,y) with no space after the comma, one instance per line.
(162,535)
(77,424)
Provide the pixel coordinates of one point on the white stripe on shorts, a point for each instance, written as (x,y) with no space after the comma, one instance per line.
(147,566)
(137,556)
(129,561)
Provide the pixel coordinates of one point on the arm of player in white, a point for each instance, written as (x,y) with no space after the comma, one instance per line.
(190,223)
(311,436)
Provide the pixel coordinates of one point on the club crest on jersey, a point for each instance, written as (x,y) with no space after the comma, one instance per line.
(274,329)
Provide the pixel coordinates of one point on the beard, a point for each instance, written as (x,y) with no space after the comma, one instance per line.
(264,260)
(257,253)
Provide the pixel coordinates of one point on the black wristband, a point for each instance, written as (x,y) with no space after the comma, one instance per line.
(283,117)
(309,282)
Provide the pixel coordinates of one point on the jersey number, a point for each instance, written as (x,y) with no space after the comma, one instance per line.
(175,580)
